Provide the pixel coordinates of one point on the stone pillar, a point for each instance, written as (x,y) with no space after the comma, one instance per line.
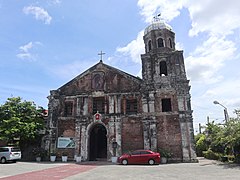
(145,104)
(85,106)
(188,147)
(111,104)
(78,108)
(111,135)
(117,104)
(84,142)
(118,136)
(146,134)
(77,138)
(151,102)
(150,134)
(53,108)
(153,136)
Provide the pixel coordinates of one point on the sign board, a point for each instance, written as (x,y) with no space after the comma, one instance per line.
(66,142)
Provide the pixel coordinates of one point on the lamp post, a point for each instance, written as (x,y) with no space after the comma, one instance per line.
(225,110)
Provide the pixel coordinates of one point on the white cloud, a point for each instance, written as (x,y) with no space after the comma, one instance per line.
(207,59)
(25,51)
(214,17)
(179,46)
(169,9)
(226,92)
(39,13)
(25,48)
(56,1)
(134,48)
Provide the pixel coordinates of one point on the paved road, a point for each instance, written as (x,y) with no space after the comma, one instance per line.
(205,169)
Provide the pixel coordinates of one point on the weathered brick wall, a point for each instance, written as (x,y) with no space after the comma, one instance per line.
(132,134)
(66,128)
(169,134)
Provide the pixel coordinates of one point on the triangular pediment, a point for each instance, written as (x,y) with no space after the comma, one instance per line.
(101,77)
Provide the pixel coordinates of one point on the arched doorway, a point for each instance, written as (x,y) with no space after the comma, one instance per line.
(98,143)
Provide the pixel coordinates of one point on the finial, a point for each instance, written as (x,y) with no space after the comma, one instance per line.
(157,17)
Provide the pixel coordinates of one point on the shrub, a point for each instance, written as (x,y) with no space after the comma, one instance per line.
(201,144)
(237,159)
(209,154)
(165,153)
(39,152)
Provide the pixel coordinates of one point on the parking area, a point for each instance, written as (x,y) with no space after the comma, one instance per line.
(205,169)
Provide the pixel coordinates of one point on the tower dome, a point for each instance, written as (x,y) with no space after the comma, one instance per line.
(159,36)
(157,24)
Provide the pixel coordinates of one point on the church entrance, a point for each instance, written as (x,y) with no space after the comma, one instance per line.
(98,143)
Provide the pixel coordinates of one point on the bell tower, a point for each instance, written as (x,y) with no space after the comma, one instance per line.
(166,97)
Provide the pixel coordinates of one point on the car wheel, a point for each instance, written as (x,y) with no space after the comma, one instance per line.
(3,160)
(151,161)
(124,162)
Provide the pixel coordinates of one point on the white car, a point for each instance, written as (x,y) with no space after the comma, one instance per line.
(9,153)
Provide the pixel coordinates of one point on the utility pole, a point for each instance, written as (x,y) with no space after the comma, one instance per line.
(200,128)
(224,110)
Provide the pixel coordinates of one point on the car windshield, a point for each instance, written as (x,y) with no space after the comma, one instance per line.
(15,149)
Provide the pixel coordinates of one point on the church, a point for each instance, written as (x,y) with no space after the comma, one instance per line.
(105,112)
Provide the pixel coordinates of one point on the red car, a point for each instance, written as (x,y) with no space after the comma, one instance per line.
(140,157)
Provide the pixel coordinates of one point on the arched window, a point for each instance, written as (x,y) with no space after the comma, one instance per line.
(160,42)
(170,42)
(163,68)
(149,45)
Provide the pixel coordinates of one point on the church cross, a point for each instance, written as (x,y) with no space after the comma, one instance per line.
(101,54)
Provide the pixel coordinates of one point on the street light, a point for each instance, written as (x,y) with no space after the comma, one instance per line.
(225,110)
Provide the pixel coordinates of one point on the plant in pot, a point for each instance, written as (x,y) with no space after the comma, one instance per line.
(78,158)
(64,156)
(165,155)
(53,156)
(39,153)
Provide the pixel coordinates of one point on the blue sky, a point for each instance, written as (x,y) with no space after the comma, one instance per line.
(44,44)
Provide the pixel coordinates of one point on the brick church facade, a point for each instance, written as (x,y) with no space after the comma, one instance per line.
(105,112)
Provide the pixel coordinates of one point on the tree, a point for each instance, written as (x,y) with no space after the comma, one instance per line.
(20,120)
(220,139)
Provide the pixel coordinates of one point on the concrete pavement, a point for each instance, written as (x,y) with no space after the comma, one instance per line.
(205,169)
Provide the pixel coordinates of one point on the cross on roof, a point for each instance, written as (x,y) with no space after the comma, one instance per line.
(101,54)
